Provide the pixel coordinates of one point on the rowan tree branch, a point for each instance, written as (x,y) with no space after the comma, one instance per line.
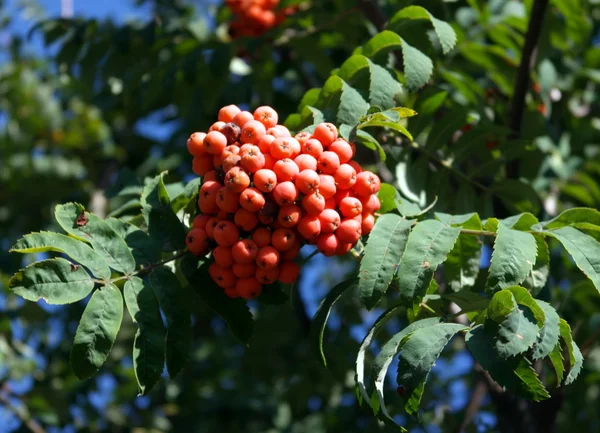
(523,78)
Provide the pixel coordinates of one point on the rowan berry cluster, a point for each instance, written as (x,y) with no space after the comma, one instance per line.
(255,17)
(265,193)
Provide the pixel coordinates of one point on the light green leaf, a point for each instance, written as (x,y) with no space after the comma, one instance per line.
(163,224)
(97,331)
(381,257)
(522,222)
(56,281)
(512,260)
(418,356)
(536,280)
(548,338)
(574,215)
(417,67)
(523,297)
(428,245)
(386,355)
(89,228)
(556,359)
(319,321)
(575,356)
(167,290)
(387,196)
(75,249)
(149,340)
(394,126)
(584,249)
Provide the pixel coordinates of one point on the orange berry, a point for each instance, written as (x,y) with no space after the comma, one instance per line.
(244,270)
(265,114)
(285,169)
(309,227)
(367,183)
(367,224)
(226,233)
(327,186)
(327,243)
(328,162)
(224,277)
(289,216)
(330,203)
(265,143)
(245,219)
(216,126)
(202,164)
(279,131)
(267,257)
(343,248)
(312,147)
(252,159)
(285,193)
(210,227)
(200,221)
(231,132)
(265,180)
(228,200)
(223,256)
(195,144)
(242,118)
(207,198)
(330,220)
(283,239)
(341,194)
(288,272)
(237,179)
(349,231)
(268,213)
(230,162)
(356,166)
(306,162)
(244,251)
(211,175)
(267,276)
(371,203)
(231,292)
(351,207)
(343,150)
(282,148)
(308,181)
(252,132)
(269,161)
(302,137)
(345,176)
(326,133)
(227,113)
(252,199)
(196,241)
(215,142)
(314,203)
(248,288)
(262,236)
(292,253)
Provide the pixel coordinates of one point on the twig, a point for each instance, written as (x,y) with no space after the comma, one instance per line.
(23,415)
(522,79)
(477,397)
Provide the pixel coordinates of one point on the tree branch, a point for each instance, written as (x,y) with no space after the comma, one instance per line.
(523,78)
(23,415)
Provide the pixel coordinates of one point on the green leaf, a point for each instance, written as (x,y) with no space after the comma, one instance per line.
(387,353)
(575,356)
(467,301)
(370,142)
(386,124)
(548,338)
(360,358)
(387,196)
(513,332)
(382,254)
(56,281)
(428,245)
(443,30)
(97,331)
(536,280)
(418,356)
(167,290)
(512,260)
(319,321)
(149,340)
(514,374)
(89,228)
(76,250)
(572,216)
(273,294)
(383,42)
(517,196)
(556,359)
(235,312)
(163,224)
(144,249)
(417,67)
(523,297)
(462,265)
(443,129)
(584,249)
(521,222)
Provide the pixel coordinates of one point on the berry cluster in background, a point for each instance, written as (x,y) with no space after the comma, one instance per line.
(265,194)
(255,17)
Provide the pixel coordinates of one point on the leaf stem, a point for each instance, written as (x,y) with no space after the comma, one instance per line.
(427,307)
(477,232)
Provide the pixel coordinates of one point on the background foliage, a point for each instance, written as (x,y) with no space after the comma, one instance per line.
(92,108)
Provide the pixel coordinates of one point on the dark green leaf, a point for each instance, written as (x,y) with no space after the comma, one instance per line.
(417,67)
(75,249)
(149,341)
(89,228)
(575,356)
(517,196)
(97,331)
(536,280)
(548,338)
(56,281)
(144,249)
